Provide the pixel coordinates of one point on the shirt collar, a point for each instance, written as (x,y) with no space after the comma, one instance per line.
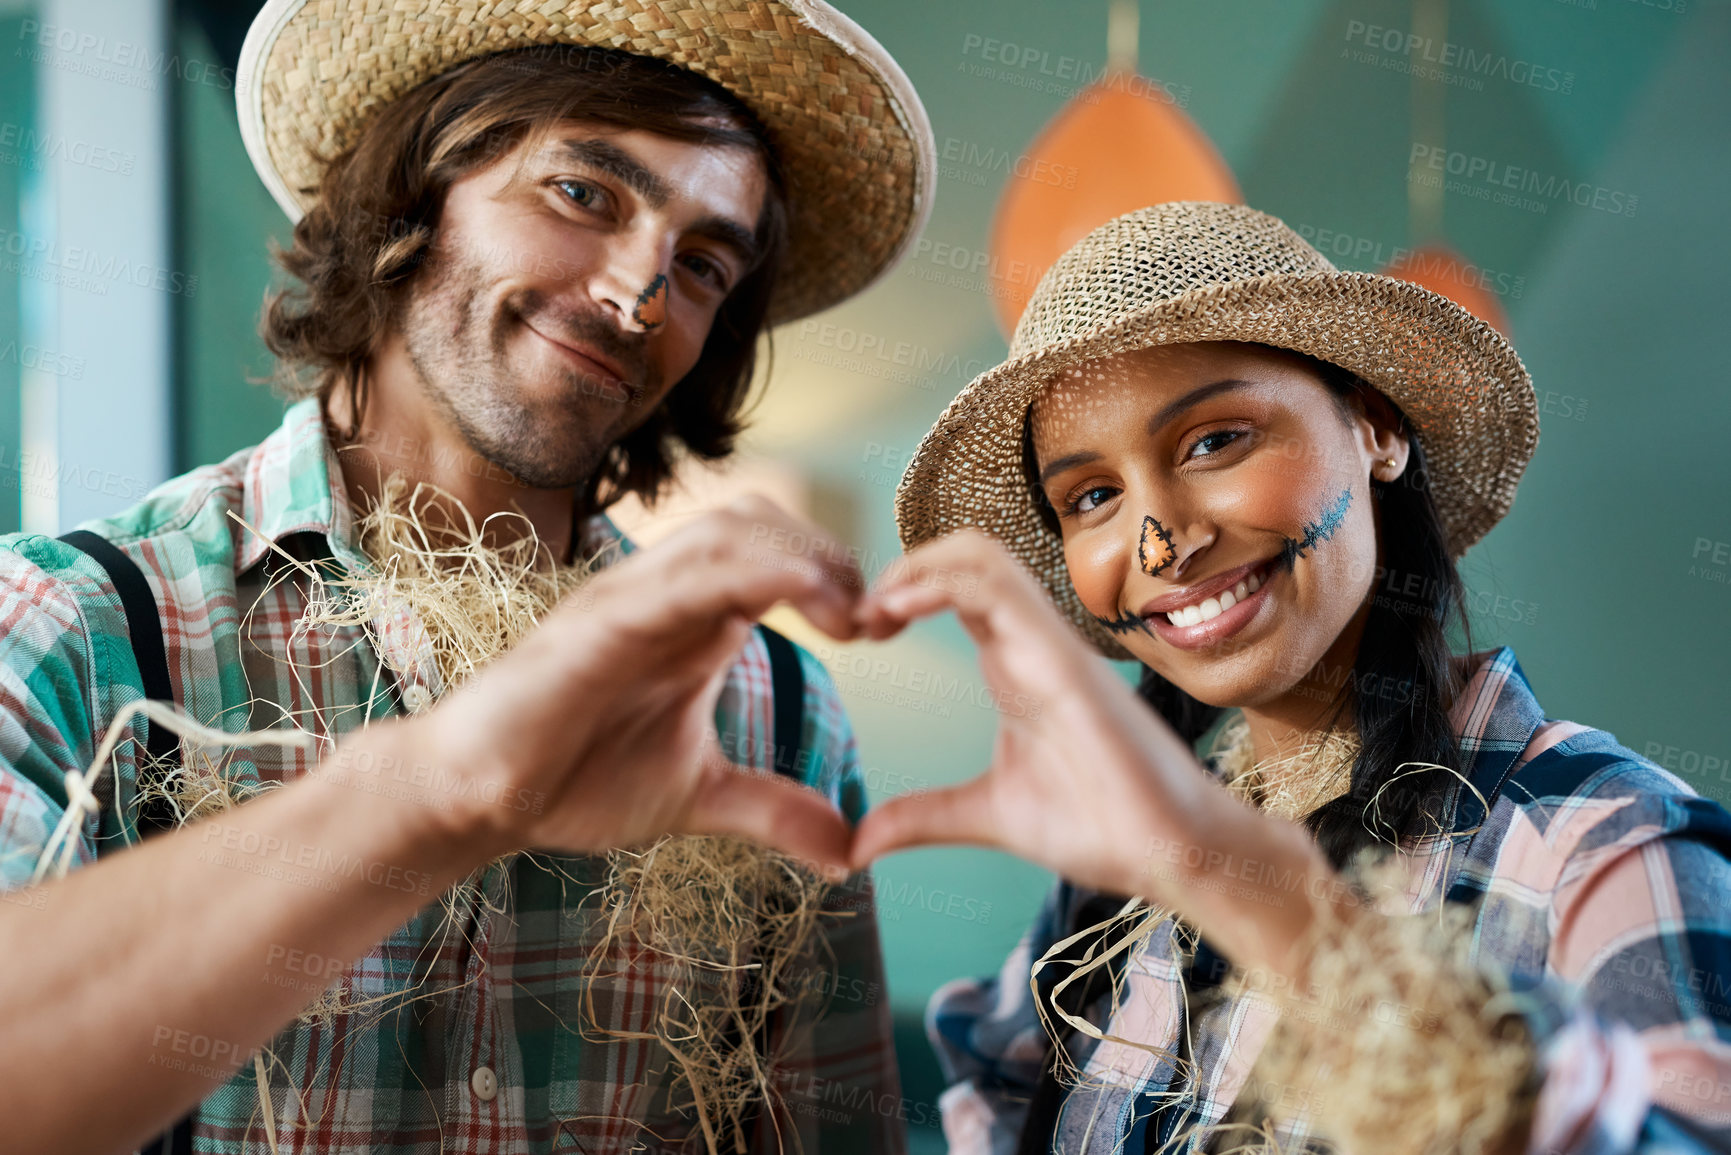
(1494,718)
(294,484)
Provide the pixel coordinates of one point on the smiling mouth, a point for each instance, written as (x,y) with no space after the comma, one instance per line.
(609,378)
(1208,608)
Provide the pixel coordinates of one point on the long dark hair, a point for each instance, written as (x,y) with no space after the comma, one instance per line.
(1402,681)
(356,250)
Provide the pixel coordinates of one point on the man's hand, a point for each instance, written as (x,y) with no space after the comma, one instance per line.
(604,715)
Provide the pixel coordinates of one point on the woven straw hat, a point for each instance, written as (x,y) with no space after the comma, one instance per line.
(1198,271)
(848,128)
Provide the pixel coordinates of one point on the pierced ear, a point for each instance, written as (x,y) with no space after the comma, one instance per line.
(1392,452)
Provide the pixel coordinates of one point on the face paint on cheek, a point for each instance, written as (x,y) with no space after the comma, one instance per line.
(1124,623)
(1315,531)
(651,307)
(1155,550)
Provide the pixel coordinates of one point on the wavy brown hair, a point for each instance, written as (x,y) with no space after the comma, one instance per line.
(356,251)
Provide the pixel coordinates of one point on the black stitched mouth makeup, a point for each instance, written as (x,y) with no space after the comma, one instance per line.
(651,307)
(1155,550)
(1316,531)
(1124,623)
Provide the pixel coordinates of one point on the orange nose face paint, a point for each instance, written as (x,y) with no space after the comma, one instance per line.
(1155,551)
(651,307)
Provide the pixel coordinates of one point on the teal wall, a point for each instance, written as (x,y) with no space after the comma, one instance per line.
(17,119)
(225,222)
(1619,317)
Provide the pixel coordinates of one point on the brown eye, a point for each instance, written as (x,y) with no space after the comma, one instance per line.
(706,269)
(1220,439)
(582,193)
(1089,499)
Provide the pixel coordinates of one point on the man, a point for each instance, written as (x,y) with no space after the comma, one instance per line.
(532,272)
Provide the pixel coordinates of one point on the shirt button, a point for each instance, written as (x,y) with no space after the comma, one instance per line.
(484,1083)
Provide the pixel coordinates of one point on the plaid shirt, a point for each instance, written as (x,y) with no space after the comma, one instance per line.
(503,989)
(1600,882)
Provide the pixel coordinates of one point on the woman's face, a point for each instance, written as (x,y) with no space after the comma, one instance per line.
(1224,485)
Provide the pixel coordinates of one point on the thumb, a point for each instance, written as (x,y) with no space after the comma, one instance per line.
(770,810)
(954,814)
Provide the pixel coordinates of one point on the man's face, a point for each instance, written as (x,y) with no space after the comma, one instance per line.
(571,284)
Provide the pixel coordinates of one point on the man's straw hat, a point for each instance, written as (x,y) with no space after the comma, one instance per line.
(849,130)
(1198,271)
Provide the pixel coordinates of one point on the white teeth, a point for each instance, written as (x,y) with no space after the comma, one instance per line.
(1212,607)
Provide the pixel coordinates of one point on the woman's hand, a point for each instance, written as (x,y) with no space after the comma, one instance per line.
(1085,778)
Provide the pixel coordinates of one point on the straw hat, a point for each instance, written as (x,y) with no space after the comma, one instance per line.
(1198,271)
(848,128)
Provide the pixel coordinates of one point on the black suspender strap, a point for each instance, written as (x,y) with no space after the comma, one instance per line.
(144,628)
(787,703)
(788,690)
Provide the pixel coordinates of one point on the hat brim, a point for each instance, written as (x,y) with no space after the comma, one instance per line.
(1459,381)
(849,130)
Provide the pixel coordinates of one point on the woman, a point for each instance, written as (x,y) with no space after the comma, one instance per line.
(1253,473)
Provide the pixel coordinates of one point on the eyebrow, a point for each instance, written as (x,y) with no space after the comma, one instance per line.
(607,157)
(1065,462)
(1172,409)
(1195,397)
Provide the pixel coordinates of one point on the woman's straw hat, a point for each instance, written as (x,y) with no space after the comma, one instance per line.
(849,130)
(1198,271)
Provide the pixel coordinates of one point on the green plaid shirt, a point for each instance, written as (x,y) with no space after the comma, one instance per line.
(499,988)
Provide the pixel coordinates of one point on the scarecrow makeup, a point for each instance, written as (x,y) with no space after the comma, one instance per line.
(1314,531)
(651,307)
(1155,551)
(1209,500)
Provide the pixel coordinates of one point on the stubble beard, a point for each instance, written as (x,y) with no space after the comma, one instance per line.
(458,349)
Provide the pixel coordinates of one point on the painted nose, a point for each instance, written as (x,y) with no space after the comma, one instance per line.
(650,309)
(1154,550)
